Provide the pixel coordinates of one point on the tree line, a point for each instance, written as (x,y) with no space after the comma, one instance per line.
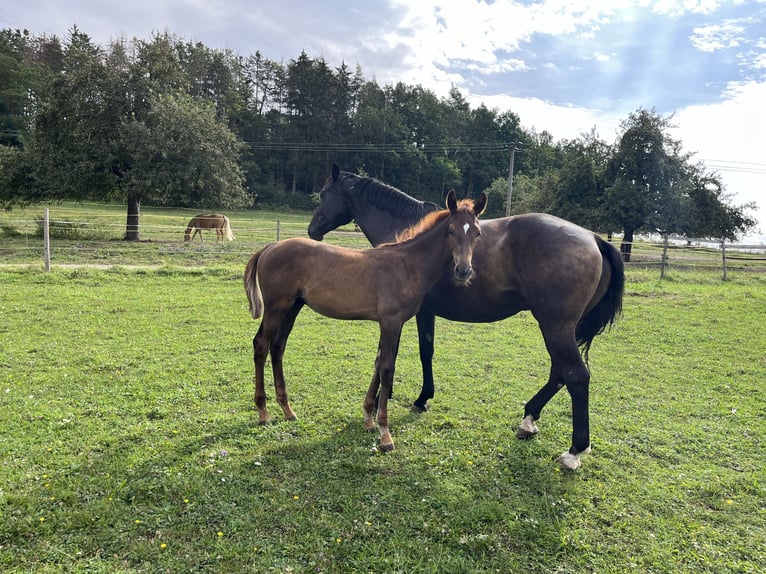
(170,122)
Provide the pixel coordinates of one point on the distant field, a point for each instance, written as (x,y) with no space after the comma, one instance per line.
(91,233)
(129,442)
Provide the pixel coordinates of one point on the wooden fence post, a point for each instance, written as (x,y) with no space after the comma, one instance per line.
(46,240)
(277,229)
(664,255)
(723,252)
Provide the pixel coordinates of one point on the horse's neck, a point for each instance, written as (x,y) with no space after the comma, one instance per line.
(381,224)
(429,252)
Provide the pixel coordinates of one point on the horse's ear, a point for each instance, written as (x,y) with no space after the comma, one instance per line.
(335,172)
(480,205)
(452,201)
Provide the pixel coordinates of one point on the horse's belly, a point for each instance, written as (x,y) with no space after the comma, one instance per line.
(472,304)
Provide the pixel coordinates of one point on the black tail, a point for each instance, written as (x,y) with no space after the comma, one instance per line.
(609,307)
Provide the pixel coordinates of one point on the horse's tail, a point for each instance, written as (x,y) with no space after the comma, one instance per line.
(609,307)
(252,288)
(227,228)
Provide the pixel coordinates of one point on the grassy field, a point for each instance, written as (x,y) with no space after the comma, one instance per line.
(129,442)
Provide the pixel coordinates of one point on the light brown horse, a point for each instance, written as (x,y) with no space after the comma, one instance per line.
(209,221)
(386,284)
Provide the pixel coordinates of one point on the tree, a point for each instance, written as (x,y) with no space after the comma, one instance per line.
(113,128)
(181,155)
(644,173)
(709,208)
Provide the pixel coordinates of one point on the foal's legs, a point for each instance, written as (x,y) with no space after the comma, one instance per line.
(390,331)
(278,345)
(261,345)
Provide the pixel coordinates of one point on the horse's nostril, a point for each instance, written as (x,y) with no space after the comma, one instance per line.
(462,272)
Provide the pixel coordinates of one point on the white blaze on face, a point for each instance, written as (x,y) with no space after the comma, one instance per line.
(465,228)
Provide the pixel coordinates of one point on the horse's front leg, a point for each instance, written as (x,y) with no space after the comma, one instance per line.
(388,346)
(368,406)
(426,322)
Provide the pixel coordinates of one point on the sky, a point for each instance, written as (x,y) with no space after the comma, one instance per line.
(563,66)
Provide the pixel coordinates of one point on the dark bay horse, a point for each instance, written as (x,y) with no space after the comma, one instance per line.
(209,221)
(568,277)
(386,284)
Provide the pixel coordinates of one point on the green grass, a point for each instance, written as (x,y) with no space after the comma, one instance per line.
(129,442)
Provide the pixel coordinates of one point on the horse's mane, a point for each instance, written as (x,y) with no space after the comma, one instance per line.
(389,198)
(429,221)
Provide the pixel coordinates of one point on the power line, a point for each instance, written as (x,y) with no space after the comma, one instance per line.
(380,147)
(735,166)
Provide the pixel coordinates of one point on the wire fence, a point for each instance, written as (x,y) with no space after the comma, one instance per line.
(91,234)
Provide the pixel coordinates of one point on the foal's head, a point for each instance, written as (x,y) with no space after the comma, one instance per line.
(462,230)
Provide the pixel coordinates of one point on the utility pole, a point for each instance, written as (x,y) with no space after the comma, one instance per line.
(510,181)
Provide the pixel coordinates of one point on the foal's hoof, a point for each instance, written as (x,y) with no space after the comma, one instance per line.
(388,447)
(264,422)
(416,408)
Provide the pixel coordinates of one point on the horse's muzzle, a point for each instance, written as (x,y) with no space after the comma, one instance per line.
(463,274)
(315,234)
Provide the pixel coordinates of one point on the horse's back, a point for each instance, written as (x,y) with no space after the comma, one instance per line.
(334,281)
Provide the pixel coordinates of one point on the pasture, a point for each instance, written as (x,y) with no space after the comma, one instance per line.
(130,442)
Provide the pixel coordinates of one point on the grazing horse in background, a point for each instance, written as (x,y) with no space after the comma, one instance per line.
(209,221)
(568,277)
(386,284)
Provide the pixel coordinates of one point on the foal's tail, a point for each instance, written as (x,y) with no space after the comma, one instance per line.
(227,229)
(252,288)
(609,307)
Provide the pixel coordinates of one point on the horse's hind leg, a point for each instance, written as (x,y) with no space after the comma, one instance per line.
(260,354)
(567,369)
(278,346)
(261,345)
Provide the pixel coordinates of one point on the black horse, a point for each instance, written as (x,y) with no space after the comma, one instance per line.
(568,277)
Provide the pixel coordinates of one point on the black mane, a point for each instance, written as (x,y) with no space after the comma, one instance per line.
(389,198)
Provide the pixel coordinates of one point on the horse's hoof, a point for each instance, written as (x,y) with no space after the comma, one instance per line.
(416,408)
(264,422)
(388,447)
(291,418)
(527,428)
(569,461)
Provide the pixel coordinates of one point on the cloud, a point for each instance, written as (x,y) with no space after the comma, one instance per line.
(718,36)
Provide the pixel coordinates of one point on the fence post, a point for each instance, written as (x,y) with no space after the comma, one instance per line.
(46,241)
(723,251)
(277,229)
(664,255)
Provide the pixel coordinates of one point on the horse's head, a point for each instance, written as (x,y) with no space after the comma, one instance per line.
(464,232)
(333,210)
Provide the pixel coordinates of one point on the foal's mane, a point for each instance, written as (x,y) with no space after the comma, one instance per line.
(430,221)
(389,198)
